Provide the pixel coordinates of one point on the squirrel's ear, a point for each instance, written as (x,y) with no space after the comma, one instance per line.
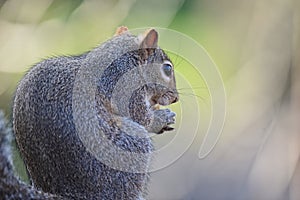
(120,30)
(149,39)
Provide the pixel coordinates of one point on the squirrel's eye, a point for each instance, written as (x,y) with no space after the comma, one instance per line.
(167,69)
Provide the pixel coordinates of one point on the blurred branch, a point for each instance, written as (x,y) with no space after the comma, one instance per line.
(296,59)
(270,59)
(61,9)
(2,2)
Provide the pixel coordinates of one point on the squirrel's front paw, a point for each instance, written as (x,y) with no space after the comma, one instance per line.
(161,121)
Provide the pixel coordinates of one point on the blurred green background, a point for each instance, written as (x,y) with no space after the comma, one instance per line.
(255,45)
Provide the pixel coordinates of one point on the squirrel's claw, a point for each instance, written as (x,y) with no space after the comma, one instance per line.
(167,128)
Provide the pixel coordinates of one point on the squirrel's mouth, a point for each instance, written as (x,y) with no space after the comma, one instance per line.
(163,100)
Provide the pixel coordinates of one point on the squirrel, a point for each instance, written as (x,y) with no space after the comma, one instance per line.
(83,123)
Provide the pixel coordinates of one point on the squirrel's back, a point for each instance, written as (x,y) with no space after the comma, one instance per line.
(46,135)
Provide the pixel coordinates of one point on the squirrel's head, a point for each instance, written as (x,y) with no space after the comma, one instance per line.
(157,70)
(139,71)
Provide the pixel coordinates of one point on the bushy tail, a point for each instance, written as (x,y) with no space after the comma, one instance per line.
(10,186)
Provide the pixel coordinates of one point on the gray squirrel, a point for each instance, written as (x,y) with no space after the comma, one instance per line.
(83,123)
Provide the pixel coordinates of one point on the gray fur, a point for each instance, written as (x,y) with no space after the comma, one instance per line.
(57,112)
(11,187)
